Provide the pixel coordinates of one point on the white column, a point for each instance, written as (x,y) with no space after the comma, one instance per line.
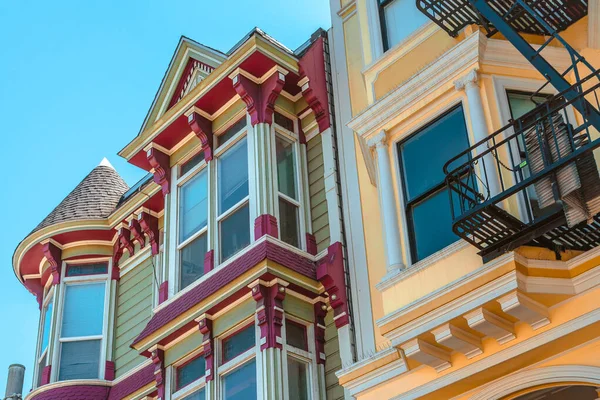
(389,211)
(470,84)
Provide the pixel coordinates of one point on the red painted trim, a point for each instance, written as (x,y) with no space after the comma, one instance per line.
(330,272)
(158,360)
(202,127)
(160,163)
(265,224)
(163,292)
(137,233)
(46,374)
(109,371)
(311,244)
(312,65)
(132,383)
(205,326)
(209,261)
(186,75)
(149,225)
(259,99)
(269,303)
(320,309)
(123,243)
(78,392)
(54,256)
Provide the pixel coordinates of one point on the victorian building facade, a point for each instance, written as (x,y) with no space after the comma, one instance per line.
(223,273)
(470,129)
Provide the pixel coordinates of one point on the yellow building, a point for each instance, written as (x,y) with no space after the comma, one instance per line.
(466,148)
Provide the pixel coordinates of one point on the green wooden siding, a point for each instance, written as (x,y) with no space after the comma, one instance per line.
(318,200)
(133,310)
(333,363)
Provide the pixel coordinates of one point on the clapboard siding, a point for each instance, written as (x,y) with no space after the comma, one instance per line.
(333,362)
(134,309)
(318,200)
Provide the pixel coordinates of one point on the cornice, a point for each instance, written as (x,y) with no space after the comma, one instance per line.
(502,53)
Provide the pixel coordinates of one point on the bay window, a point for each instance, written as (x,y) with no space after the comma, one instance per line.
(190,379)
(82,326)
(426,203)
(399,19)
(298,361)
(237,369)
(44,335)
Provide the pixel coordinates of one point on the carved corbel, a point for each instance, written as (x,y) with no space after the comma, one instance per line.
(158,359)
(259,99)
(315,103)
(149,226)
(205,326)
(161,168)
(122,243)
(202,127)
(330,272)
(136,232)
(54,256)
(269,312)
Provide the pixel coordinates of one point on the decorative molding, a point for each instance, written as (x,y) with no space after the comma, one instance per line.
(379,140)
(502,53)
(205,326)
(320,309)
(470,79)
(123,243)
(269,313)
(137,232)
(109,370)
(209,261)
(202,127)
(265,224)
(458,340)
(428,354)
(54,256)
(490,324)
(259,99)
(525,309)
(330,272)
(158,359)
(149,225)
(314,83)
(163,292)
(368,159)
(311,244)
(161,168)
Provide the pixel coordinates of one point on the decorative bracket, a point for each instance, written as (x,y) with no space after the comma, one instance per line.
(54,256)
(330,272)
(137,233)
(259,98)
(265,224)
(314,83)
(123,243)
(161,168)
(269,312)
(158,359)
(149,225)
(205,326)
(202,127)
(320,313)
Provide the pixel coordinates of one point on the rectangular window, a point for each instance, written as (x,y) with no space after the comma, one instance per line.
(238,343)
(87,269)
(422,157)
(232,131)
(199,395)
(81,331)
(296,335)
(298,381)
(240,384)
(191,163)
(399,19)
(284,121)
(46,326)
(233,198)
(189,372)
(289,207)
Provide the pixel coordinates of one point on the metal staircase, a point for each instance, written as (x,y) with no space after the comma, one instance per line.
(549,191)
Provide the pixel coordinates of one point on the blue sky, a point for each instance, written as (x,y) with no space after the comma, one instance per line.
(76,80)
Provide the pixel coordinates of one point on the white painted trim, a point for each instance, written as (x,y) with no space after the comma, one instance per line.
(375,34)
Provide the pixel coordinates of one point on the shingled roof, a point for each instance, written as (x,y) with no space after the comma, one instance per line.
(94,198)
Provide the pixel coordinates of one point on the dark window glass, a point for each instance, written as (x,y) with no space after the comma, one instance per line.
(192,261)
(232,130)
(240,384)
(233,176)
(284,122)
(79,360)
(286,167)
(235,232)
(295,335)
(288,222)
(297,379)
(191,163)
(87,269)
(190,372)
(193,205)
(427,204)
(238,343)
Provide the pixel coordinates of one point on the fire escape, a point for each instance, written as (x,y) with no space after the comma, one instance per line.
(535,181)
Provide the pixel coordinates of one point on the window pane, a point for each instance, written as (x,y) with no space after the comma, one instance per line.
(233,176)
(295,335)
(284,122)
(432,224)
(87,269)
(231,132)
(83,310)
(195,396)
(425,153)
(41,366)
(235,232)
(192,261)
(241,383)
(191,163)
(288,221)
(238,343)
(193,206)
(46,327)
(297,379)
(286,165)
(521,103)
(402,18)
(190,372)
(79,360)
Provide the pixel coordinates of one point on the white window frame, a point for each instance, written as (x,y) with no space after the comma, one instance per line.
(49,297)
(305,356)
(108,312)
(252,353)
(299,172)
(193,387)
